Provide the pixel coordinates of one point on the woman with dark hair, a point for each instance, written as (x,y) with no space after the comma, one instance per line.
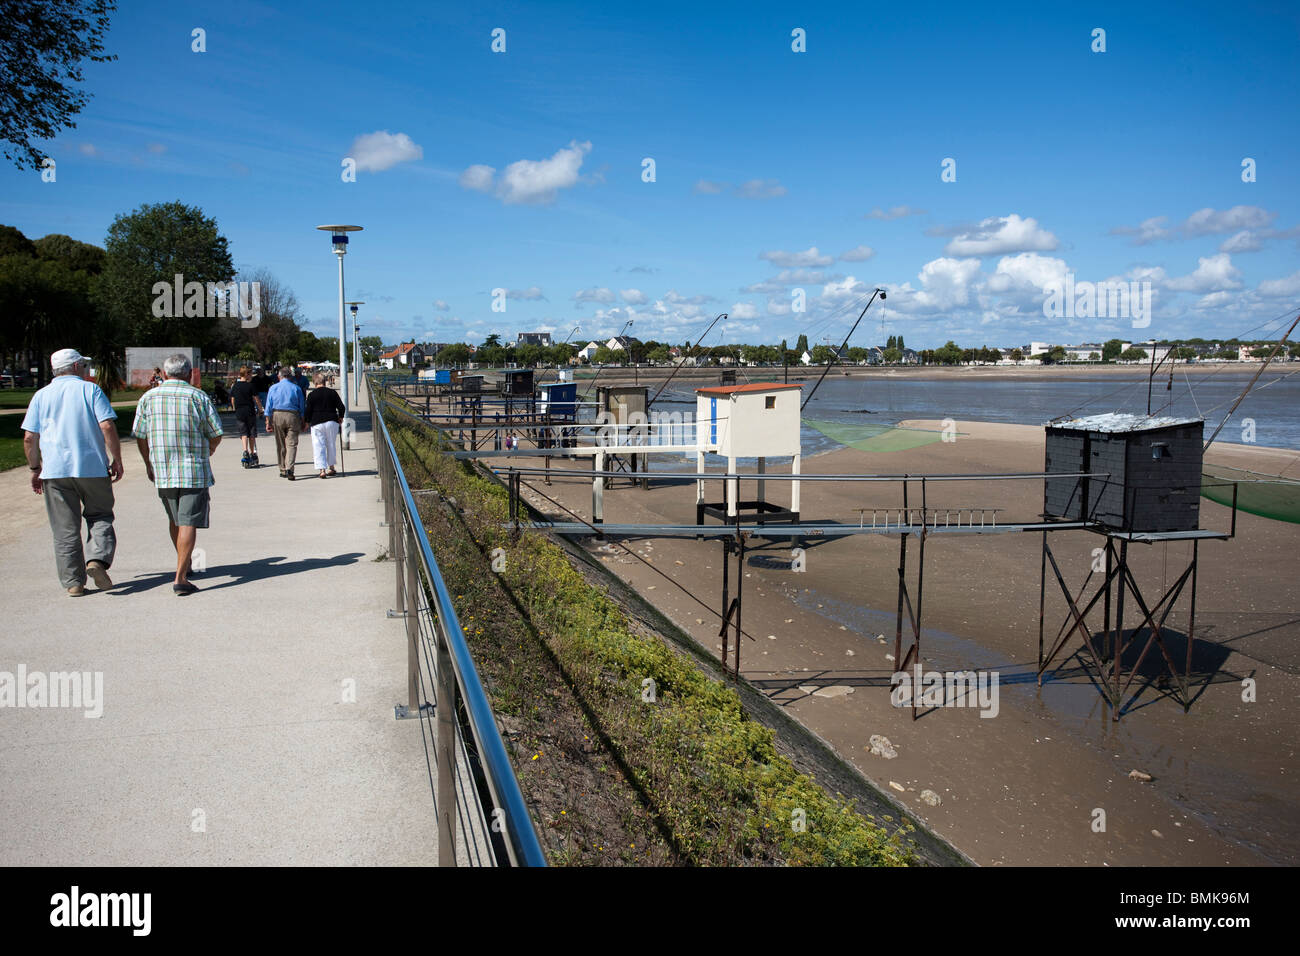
(248,409)
(324,413)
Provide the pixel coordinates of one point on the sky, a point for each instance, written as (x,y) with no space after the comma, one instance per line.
(664,163)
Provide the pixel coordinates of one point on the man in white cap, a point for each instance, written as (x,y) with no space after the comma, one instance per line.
(73,452)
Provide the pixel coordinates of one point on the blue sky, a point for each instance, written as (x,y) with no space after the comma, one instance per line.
(775,170)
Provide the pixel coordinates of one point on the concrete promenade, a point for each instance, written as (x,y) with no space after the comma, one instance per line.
(227,734)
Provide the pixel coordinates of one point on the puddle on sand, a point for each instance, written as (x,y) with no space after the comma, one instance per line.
(1238,807)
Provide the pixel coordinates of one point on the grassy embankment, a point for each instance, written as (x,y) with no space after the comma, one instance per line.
(706,784)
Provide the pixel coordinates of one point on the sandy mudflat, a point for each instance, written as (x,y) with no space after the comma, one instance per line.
(1026,786)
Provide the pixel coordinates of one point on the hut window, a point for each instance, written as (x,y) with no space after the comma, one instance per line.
(1159,450)
(770,401)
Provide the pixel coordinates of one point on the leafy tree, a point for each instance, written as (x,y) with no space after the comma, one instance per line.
(891,342)
(899,345)
(801,345)
(528,355)
(457,353)
(41,51)
(892,356)
(153,244)
(604,356)
(1017,355)
(1133,355)
(659,355)
(1110,349)
(1093,357)
(822,354)
(14,243)
(950,353)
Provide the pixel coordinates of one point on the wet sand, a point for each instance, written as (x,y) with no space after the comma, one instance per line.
(1024,787)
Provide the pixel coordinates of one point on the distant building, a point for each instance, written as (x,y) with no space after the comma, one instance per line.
(534,338)
(619,343)
(589,351)
(408,355)
(1088,352)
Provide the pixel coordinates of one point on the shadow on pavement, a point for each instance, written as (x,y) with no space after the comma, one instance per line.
(260,570)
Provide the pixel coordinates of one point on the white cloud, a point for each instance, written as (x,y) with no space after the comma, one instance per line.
(87,149)
(530,294)
(601,295)
(777,306)
(478,178)
(893,212)
(633,296)
(1212,274)
(1026,271)
(787,260)
(1281,288)
(440,305)
(375,152)
(1208,221)
(1002,234)
(1147,231)
(1244,241)
(537,181)
(760,189)
(705,187)
(743,310)
(858,254)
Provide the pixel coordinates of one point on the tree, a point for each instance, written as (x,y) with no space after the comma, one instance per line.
(152,245)
(41,53)
(891,342)
(1017,355)
(892,356)
(528,355)
(278,331)
(822,354)
(1133,355)
(1093,356)
(457,353)
(899,344)
(801,345)
(949,353)
(604,356)
(659,356)
(1110,350)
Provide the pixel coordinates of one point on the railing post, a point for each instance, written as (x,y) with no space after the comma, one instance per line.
(446,711)
(412,631)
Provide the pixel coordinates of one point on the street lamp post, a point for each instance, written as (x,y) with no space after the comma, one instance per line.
(356,351)
(339,243)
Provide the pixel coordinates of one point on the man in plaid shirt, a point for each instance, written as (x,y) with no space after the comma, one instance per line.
(177,429)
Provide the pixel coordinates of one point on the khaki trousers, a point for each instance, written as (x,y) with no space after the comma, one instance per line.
(285,426)
(69,502)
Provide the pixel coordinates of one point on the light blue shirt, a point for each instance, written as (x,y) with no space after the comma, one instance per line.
(66,414)
(285,396)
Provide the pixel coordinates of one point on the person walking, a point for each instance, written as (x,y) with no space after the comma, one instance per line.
(262,384)
(248,409)
(177,428)
(285,407)
(74,455)
(324,414)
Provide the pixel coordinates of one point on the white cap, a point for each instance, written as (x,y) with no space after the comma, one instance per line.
(64,358)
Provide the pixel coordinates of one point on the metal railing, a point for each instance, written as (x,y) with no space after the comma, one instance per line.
(476,783)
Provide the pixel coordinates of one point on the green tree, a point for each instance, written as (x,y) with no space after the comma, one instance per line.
(457,353)
(892,356)
(1110,349)
(949,353)
(801,345)
(822,354)
(1017,355)
(152,245)
(1133,355)
(528,355)
(659,355)
(41,52)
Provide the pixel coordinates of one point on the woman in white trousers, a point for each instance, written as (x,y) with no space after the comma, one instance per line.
(324,413)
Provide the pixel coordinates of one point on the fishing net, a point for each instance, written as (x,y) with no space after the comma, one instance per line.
(866,437)
(1265,495)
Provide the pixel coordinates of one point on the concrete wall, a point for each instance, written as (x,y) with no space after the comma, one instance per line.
(140,363)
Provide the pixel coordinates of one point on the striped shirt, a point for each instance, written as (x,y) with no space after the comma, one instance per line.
(177,419)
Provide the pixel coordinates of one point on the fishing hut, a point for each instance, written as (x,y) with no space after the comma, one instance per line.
(625,410)
(757,420)
(1136,480)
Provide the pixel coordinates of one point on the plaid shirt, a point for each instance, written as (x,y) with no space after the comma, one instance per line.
(178,419)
